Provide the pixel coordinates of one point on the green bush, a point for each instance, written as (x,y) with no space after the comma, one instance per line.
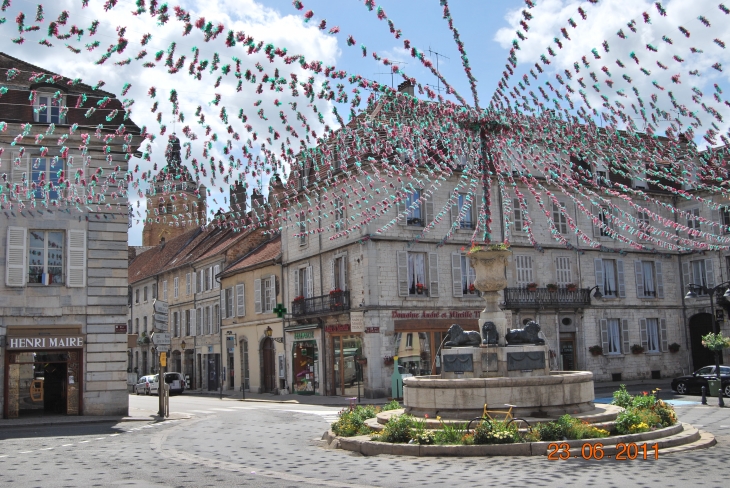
(567,427)
(622,398)
(352,422)
(391,405)
(398,429)
(496,432)
(625,420)
(666,413)
(648,416)
(551,431)
(450,434)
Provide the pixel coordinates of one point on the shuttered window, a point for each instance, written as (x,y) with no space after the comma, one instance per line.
(15,257)
(188,287)
(418,274)
(564,273)
(46,251)
(257,296)
(523,266)
(559,219)
(228,309)
(518,216)
(269,296)
(240,303)
(614,336)
(176,287)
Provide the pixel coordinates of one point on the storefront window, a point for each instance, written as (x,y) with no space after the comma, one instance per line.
(305,361)
(346,351)
(419,352)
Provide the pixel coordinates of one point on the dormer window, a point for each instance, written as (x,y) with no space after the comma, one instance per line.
(47,108)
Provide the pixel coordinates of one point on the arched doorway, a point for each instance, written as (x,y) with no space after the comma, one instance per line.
(268,369)
(699,325)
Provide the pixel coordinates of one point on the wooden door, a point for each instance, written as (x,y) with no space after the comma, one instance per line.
(269,365)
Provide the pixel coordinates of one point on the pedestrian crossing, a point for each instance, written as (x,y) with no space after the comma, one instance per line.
(328,416)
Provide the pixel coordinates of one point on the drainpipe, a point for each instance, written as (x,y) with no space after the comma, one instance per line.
(682,284)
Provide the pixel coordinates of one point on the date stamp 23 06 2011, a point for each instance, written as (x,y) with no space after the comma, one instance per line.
(624,451)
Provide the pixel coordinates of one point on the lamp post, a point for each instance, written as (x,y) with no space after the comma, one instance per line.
(691,294)
(597,295)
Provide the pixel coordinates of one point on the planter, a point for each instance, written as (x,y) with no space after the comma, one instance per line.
(489,267)
(674,347)
(531,288)
(571,288)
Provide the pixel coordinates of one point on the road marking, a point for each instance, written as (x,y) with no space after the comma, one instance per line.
(24,452)
(203,411)
(46,449)
(66,445)
(112,435)
(82,442)
(5,455)
(100,438)
(222,409)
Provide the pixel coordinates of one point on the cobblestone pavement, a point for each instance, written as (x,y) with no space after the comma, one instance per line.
(233,443)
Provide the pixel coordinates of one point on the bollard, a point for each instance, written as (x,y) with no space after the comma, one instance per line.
(720,401)
(704,395)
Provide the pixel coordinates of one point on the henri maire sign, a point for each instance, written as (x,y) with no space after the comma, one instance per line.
(64,342)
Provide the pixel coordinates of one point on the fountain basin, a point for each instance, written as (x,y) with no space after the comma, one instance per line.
(553,395)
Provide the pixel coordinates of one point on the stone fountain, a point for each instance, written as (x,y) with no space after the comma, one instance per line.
(499,366)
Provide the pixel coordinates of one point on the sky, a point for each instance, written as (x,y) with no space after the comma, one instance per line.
(487,29)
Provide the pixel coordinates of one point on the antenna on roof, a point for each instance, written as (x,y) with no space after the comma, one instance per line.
(438,81)
(391,73)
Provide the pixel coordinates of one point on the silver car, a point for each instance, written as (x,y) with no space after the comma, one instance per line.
(143,385)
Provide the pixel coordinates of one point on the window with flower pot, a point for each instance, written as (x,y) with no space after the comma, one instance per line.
(615,336)
(463,276)
(417,274)
(653,334)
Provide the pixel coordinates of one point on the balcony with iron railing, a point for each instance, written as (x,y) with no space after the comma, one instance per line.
(334,302)
(539,298)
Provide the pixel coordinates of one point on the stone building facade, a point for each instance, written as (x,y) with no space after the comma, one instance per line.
(63,303)
(358,302)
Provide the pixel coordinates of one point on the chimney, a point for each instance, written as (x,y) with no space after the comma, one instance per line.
(238,197)
(407,88)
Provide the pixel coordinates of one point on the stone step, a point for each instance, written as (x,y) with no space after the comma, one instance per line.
(705,441)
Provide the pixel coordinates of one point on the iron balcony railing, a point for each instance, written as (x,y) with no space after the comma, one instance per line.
(516,298)
(333,302)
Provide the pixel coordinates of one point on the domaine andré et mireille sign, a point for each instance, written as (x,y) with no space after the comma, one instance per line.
(48,342)
(453,314)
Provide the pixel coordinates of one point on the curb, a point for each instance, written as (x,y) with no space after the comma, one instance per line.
(90,421)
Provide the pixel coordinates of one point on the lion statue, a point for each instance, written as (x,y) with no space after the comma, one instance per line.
(458,337)
(528,335)
(489,333)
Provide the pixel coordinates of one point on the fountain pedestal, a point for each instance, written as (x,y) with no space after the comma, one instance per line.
(494,361)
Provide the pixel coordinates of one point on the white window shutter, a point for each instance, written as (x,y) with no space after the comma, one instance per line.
(643,333)
(240,303)
(223,303)
(194,284)
(399,209)
(604,335)
(344,272)
(663,335)
(15,256)
(454,212)
(17,171)
(216,270)
(709,273)
(76,277)
(639,270)
(402,263)
(625,332)
(310,282)
(686,274)
(257,295)
(433,274)
(192,321)
(297,289)
(332,274)
(659,279)
(620,278)
(164,290)
(428,214)
(456,274)
(517,214)
(272,295)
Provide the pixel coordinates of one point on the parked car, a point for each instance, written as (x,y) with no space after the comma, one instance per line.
(693,383)
(176,382)
(143,385)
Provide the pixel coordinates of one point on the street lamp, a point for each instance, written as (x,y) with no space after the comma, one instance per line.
(597,295)
(182,344)
(691,294)
(269,331)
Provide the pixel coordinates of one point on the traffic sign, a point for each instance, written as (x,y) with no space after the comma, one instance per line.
(161,339)
(162,319)
(163,359)
(160,307)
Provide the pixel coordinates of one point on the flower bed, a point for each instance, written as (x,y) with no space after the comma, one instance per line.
(352,422)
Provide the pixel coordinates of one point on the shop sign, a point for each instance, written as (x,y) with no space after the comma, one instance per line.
(337,328)
(45,342)
(453,314)
(357,321)
(372,330)
(303,336)
(120,328)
